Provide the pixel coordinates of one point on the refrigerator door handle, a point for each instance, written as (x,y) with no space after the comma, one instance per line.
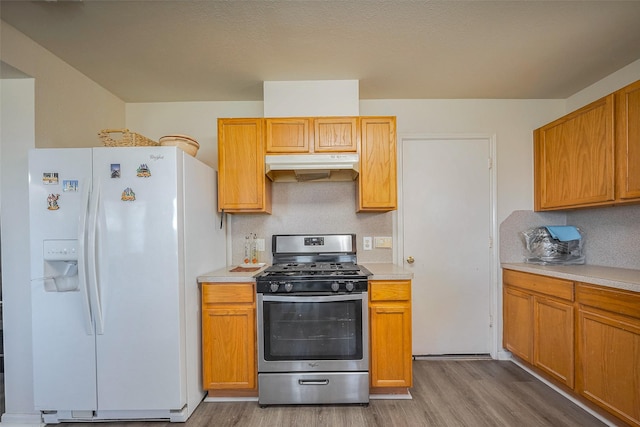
(82,261)
(94,287)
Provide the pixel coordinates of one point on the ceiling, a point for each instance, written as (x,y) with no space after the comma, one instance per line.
(183,50)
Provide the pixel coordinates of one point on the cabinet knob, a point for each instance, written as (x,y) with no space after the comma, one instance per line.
(410,260)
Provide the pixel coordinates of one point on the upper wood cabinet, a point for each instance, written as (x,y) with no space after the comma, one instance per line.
(296,135)
(627,102)
(243,144)
(574,159)
(377,182)
(242,184)
(335,134)
(289,135)
(590,157)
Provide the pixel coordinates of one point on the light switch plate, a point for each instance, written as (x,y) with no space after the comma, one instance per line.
(367,244)
(260,245)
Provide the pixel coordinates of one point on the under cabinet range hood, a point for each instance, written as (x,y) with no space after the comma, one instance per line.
(312,167)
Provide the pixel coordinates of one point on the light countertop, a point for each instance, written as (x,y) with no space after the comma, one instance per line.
(619,278)
(388,271)
(226,275)
(381,271)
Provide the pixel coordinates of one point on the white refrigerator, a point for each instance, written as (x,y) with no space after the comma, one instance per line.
(118,237)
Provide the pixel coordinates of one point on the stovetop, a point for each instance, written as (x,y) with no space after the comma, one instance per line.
(316,263)
(316,268)
(313,277)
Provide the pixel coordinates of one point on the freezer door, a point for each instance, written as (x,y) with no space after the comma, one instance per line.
(140,351)
(63,341)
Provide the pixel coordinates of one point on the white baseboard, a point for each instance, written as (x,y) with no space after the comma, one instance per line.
(230,399)
(391,396)
(504,355)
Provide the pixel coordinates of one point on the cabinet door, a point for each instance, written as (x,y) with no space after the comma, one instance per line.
(554,338)
(517,322)
(628,142)
(574,159)
(377,186)
(242,185)
(288,135)
(335,134)
(390,333)
(228,343)
(609,362)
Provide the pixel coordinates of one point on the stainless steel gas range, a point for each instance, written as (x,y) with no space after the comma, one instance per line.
(313,322)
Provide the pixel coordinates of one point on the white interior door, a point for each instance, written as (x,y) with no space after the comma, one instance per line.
(446,228)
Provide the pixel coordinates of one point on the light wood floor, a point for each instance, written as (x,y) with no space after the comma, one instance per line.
(446,393)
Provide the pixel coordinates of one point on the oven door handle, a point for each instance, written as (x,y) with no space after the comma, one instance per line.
(313,382)
(315,298)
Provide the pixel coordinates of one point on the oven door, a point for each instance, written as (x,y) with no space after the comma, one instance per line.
(313,333)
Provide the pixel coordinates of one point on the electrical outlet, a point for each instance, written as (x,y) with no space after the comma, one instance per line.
(383,242)
(367,244)
(260,245)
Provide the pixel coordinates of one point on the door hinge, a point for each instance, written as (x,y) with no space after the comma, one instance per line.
(490,162)
(491,320)
(490,242)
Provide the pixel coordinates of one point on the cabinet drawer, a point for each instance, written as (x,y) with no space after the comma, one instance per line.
(228,293)
(391,290)
(551,286)
(615,300)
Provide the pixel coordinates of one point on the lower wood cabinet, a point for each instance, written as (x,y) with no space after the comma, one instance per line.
(390,336)
(609,350)
(517,331)
(539,322)
(584,337)
(229,364)
(554,332)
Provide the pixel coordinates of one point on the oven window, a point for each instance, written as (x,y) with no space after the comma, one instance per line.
(313,330)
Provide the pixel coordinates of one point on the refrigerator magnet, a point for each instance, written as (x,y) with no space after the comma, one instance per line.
(50,178)
(128,195)
(143,171)
(115,170)
(70,185)
(52,202)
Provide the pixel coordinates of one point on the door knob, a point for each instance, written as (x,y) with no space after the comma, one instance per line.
(410,260)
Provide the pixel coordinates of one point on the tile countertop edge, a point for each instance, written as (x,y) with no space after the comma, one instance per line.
(611,277)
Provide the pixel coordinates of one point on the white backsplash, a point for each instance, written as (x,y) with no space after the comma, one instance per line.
(310,208)
(611,234)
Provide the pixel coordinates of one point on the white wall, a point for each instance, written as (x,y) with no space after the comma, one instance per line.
(70,108)
(17,137)
(195,119)
(609,84)
(511,121)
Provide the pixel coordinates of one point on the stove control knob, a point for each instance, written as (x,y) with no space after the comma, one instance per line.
(288,287)
(274,286)
(335,286)
(349,286)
